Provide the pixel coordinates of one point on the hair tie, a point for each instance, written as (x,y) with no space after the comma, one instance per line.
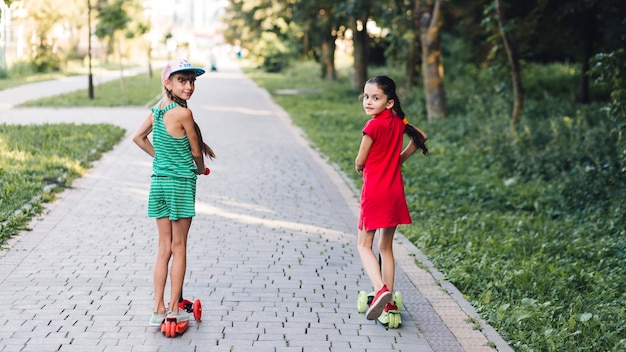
(405,121)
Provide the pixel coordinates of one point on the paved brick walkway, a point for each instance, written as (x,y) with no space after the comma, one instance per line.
(272,251)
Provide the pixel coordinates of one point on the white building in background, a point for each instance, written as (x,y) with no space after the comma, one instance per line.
(192,27)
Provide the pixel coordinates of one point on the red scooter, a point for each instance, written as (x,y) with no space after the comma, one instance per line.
(171,328)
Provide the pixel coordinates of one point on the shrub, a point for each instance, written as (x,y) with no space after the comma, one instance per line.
(46,60)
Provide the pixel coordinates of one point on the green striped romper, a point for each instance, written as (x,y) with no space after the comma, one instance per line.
(173,186)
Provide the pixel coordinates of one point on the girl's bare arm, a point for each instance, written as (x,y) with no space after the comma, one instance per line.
(364,150)
(408,151)
(141,136)
(188,125)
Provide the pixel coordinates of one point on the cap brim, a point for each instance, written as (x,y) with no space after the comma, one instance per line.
(197,71)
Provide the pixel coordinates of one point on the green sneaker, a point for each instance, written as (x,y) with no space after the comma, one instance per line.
(157,319)
(390,316)
(181,316)
(384,318)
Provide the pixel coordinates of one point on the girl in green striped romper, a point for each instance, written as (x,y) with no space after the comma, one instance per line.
(178,157)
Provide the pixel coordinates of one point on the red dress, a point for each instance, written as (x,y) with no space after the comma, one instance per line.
(383,203)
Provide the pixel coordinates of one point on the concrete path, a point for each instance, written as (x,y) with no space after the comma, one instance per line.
(272,251)
(17,95)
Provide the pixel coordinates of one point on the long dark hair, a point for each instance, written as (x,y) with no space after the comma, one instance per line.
(388,86)
(190,75)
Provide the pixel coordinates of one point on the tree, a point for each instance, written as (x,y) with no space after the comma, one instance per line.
(322,21)
(592,27)
(516,76)
(414,46)
(545,31)
(514,35)
(113,19)
(265,29)
(136,30)
(608,70)
(401,22)
(44,15)
(432,61)
(359,16)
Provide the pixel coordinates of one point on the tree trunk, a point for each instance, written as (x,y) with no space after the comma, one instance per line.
(150,73)
(587,52)
(328,59)
(583,93)
(119,49)
(511,53)
(360,41)
(306,46)
(432,66)
(413,59)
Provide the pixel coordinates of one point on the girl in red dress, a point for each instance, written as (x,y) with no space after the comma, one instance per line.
(383,204)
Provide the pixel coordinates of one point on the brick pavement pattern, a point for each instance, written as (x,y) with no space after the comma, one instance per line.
(271,253)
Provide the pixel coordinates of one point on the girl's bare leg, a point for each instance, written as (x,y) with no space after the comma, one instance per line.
(368,258)
(180,230)
(385,247)
(164,253)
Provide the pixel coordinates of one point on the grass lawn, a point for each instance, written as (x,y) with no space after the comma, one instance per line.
(22,73)
(136,90)
(38,160)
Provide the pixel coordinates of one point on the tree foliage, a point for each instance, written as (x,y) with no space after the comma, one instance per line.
(264,29)
(609,70)
(112,18)
(55,27)
(44,15)
(541,31)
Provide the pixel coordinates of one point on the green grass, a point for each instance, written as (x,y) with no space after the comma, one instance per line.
(21,73)
(38,160)
(136,90)
(531,228)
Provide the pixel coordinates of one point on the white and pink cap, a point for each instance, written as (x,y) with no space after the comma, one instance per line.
(177,66)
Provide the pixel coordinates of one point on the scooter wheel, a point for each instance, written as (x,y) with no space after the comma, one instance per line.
(393,320)
(362,302)
(172,329)
(165,328)
(197,310)
(397,297)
